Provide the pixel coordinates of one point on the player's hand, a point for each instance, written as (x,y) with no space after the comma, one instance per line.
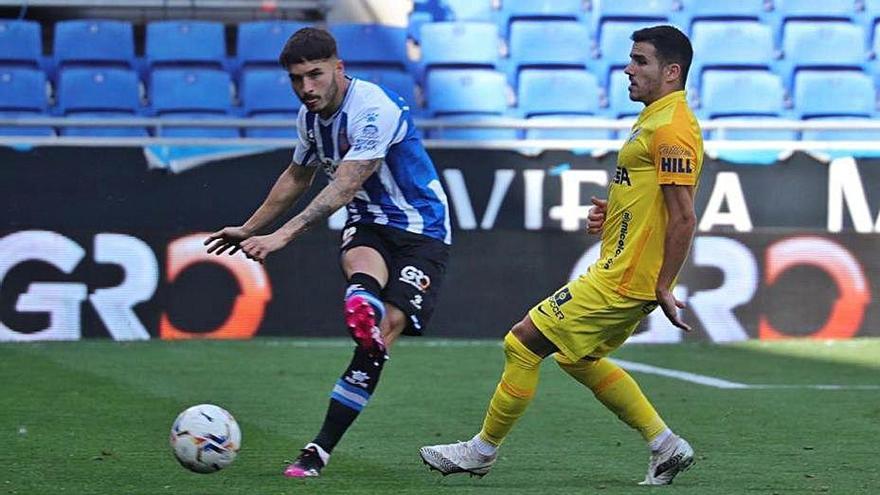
(258,247)
(226,238)
(670,305)
(596,216)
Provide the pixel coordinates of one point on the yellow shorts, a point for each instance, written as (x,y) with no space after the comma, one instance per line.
(585,319)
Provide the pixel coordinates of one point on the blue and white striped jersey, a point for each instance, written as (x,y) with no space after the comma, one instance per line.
(373,122)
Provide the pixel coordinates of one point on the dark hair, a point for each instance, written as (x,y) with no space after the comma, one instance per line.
(672,46)
(306,45)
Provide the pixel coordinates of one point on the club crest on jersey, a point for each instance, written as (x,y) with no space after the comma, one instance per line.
(415,277)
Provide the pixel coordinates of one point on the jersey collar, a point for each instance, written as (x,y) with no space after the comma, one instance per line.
(663,102)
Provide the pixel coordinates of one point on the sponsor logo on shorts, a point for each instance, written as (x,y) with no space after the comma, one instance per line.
(348,235)
(541,310)
(562,297)
(415,277)
(416,301)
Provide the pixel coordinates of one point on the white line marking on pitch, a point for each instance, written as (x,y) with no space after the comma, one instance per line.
(720,383)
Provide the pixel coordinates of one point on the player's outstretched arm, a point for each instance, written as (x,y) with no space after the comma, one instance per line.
(290,185)
(679,234)
(349,178)
(596,215)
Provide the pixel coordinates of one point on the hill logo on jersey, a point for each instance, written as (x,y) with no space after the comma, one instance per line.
(676,159)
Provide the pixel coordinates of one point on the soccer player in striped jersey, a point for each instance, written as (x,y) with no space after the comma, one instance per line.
(395,244)
(646,225)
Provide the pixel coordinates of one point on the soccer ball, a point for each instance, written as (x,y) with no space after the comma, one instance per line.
(205,438)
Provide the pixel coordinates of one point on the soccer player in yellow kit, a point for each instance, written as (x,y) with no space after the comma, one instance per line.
(647,225)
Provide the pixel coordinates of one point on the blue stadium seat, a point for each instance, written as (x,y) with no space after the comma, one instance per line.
(414,25)
(651,11)
(729,44)
(514,10)
(754,134)
(809,44)
(619,104)
(872,135)
(462,91)
(259,43)
(371,45)
(614,46)
(473,44)
(761,93)
(553,91)
(100,93)
(547,44)
(94,42)
(21,43)
(397,81)
(266,93)
(870,18)
(701,10)
(830,93)
(785,11)
(469,10)
(23,94)
(187,43)
(192,93)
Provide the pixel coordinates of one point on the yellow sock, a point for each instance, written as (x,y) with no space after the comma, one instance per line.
(617,390)
(514,391)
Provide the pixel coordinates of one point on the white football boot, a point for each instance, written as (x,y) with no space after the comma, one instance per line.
(460,457)
(675,456)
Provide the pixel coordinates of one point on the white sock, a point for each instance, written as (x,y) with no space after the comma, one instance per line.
(325,457)
(657,442)
(483,447)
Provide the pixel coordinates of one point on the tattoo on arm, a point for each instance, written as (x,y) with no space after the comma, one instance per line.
(349,178)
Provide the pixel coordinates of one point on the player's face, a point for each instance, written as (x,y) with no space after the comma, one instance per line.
(317,84)
(645,73)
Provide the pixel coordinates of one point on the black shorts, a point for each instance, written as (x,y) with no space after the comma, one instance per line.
(416,267)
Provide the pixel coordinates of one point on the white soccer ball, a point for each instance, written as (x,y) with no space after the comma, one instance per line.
(205,438)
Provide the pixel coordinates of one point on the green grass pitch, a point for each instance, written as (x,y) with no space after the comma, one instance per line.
(93,418)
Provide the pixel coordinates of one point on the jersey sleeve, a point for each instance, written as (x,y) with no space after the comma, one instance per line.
(371,130)
(304,153)
(674,152)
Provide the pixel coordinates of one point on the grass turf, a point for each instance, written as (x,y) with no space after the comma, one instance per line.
(93,417)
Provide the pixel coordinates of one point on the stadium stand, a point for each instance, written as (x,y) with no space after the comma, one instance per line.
(260,42)
(539,10)
(466,94)
(193,93)
(613,47)
(386,46)
(732,45)
(540,43)
(101,43)
(23,94)
(265,93)
(100,93)
(185,43)
(468,10)
(741,10)
(766,95)
(21,43)
(833,93)
(821,45)
(544,94)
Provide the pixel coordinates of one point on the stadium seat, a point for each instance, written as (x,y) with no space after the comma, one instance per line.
(549,91)
(614,46)
(415,22)
(186,43)
(763,93)
(729,44)
(568,133)
(547,44)
(192,93)
(469,10)
(398,81)
(516,10)
(650,11)
(462,44)
(259,43)
(21,43)
(461,91)
(701,10)
(23,94)
(756,134)
(619,104)
(99,93)
(785,11)
(872,135)
(371,45)
(266,93)
(102,43)
(833,93)
(809,45)
(870,18)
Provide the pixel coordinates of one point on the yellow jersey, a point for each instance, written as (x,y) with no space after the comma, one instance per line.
(665,146)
